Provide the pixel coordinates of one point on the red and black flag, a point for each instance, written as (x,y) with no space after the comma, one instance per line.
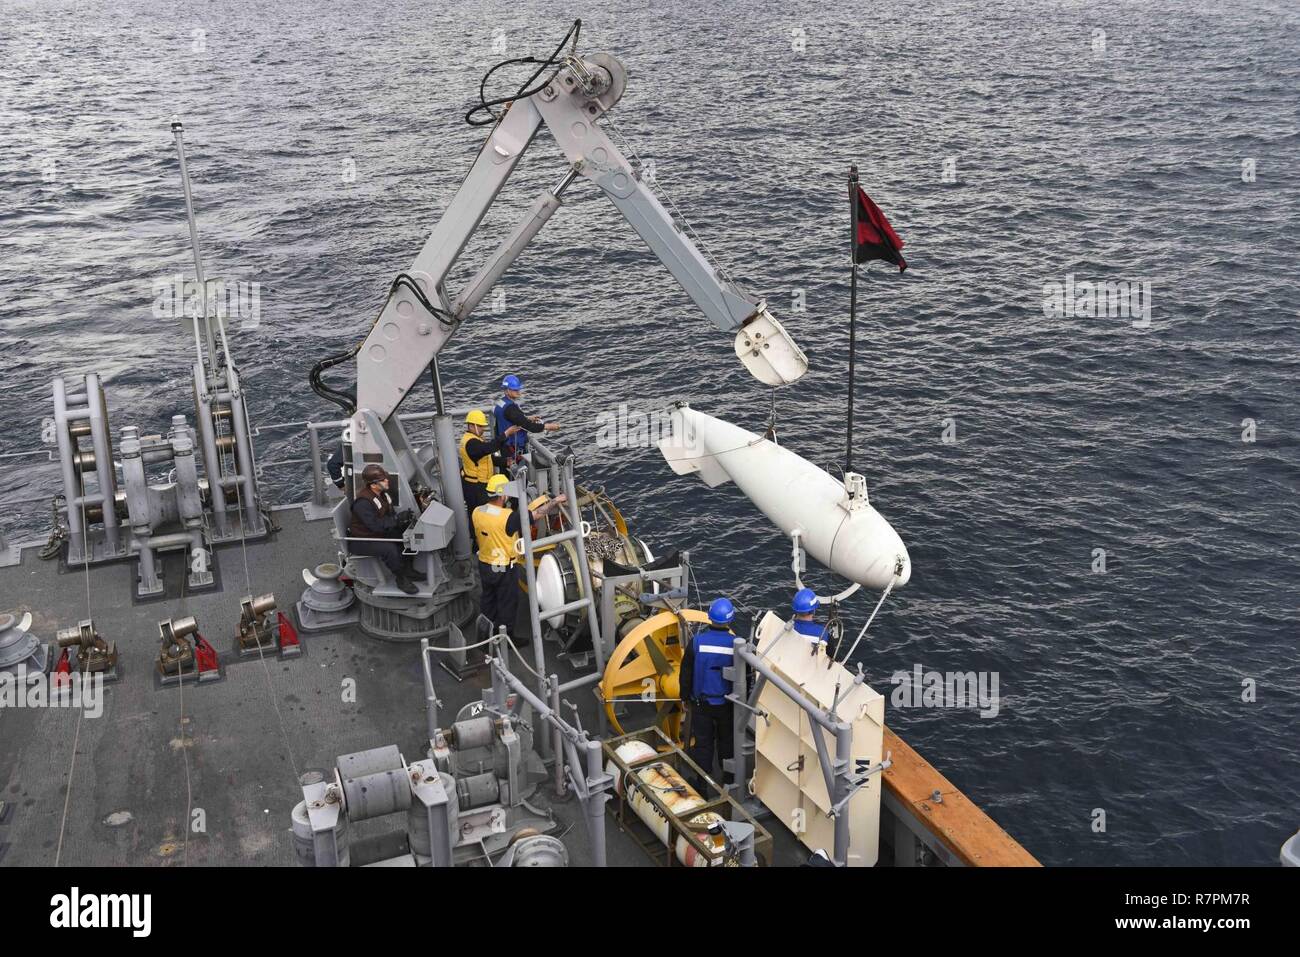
(872,238)
(875,238)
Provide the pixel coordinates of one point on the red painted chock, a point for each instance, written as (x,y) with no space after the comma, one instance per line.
(63,670)
(288,633)
(206,654)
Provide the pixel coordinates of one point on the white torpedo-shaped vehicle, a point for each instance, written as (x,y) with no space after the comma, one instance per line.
(834,522)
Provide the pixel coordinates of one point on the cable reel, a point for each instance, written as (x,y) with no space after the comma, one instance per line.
(644,673)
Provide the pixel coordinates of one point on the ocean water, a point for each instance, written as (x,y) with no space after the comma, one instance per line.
(1013,145)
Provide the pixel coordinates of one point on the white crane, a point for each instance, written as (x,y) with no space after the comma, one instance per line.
(422,314)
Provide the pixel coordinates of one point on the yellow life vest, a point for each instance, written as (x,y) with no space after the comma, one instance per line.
(495,547)
(470,470)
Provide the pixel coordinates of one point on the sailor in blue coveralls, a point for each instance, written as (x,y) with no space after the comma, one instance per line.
(805,610)
(705,688)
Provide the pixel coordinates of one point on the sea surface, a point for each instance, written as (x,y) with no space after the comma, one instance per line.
(1149,692)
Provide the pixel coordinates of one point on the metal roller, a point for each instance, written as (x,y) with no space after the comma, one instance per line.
(184,626)
(377,794)
(361,763)
(304,843)
(531,849)
(478,790)
(417,822)
(474,733)
(559,582)
(374,782)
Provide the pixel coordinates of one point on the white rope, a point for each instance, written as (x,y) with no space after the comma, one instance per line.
(853,647)
(76,736)
(248,582)
(185,751)
(450,651)
(748,445)
(522,660)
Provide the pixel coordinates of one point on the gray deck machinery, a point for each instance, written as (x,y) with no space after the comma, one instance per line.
(159,503)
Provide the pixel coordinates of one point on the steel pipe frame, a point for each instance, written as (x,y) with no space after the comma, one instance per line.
(608,586)
(104,475)
(430,696)
(530,577)
(87,406)
(72,490)
(208,441)
(549,460)
(245,465)
(590,781)
(584,570)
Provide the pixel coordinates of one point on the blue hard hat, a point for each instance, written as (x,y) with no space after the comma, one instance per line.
(805,601)
(512,382)
(722,611)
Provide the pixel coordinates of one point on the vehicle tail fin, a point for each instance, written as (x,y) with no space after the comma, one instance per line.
(686,458)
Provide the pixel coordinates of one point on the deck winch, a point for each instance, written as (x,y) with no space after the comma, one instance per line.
(176,657)
(489,755)
(94,655)
(452,811)
(174,509)
(560,583)
(257,624)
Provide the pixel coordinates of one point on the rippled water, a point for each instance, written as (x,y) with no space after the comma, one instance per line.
(1120,691)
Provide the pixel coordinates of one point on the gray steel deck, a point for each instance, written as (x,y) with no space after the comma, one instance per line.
(117,790)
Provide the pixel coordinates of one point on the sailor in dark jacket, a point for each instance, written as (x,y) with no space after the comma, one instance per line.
(377,527)
(705,689)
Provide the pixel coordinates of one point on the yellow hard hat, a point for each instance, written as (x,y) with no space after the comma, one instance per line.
(496,484)
(476,417)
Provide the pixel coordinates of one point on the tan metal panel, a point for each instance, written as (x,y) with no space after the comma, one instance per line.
(788,777)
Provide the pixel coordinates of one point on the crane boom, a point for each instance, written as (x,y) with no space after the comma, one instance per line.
(407,336)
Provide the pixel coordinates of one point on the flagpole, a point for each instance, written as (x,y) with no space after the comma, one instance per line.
(853,308)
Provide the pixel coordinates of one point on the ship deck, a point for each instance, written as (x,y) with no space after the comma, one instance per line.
(227,756)
(117,788)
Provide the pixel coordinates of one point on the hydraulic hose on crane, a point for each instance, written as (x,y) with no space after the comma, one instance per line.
(485,105)
(347,400)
